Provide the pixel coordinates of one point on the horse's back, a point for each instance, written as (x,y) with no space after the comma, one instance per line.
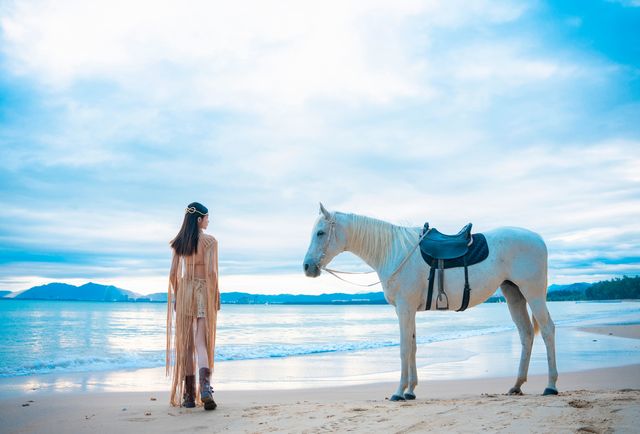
(513,235)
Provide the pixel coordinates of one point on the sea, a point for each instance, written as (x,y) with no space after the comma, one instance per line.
(44,337)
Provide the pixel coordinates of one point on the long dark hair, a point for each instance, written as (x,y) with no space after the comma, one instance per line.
(186,242)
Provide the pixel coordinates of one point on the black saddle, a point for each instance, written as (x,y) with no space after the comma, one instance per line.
(441,246)
(442,251)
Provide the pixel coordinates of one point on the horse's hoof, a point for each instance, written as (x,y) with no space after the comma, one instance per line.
(396,398)
(549,391)
(515,391)
(409,396)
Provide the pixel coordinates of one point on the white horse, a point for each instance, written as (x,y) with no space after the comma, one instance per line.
(517,263)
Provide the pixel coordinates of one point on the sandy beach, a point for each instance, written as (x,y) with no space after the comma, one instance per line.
(597,401)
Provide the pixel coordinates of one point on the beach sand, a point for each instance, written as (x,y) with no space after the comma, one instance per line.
(596,401)
(623,331)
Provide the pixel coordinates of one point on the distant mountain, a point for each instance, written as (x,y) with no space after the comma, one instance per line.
(157,296)
(574,287)
(87,292)
(625,288)
(96,292)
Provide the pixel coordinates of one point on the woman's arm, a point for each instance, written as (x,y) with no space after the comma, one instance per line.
(214,270)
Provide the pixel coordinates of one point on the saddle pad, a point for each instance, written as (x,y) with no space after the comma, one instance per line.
(478,252)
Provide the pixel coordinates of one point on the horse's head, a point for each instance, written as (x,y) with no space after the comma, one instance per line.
(327,240)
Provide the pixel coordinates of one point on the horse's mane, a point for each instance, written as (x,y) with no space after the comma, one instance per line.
(374,238)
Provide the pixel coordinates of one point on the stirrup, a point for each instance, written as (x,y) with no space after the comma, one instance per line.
(442,297)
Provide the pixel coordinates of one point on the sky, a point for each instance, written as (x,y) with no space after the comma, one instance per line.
(116,114)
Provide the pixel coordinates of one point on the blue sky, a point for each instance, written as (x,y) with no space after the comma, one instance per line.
(114,115)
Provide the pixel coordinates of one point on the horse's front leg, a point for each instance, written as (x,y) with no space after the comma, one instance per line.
(413,369)
(408,375)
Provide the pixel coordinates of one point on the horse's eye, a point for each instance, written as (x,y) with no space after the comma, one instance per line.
(320,233)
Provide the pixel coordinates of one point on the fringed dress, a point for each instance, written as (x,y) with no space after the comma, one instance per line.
(193,298)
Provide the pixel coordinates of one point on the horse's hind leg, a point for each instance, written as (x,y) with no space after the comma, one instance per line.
(547,329)
(518,309)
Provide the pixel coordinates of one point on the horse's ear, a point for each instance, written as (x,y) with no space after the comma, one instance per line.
(324,211)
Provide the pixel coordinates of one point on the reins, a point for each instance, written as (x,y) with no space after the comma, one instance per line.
(334,273)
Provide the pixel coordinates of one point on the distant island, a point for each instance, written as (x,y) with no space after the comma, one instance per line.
(96,292)
(615,289)
(620,288)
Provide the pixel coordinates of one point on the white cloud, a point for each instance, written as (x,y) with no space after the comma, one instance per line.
(245,55)
(232,55)
(82,229)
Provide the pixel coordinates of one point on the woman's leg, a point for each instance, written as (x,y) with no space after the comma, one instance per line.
(201,344)
(189,390)
(206,393)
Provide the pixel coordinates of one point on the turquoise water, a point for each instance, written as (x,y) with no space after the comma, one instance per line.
(41,337)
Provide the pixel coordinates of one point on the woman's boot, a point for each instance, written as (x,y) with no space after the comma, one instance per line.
(189,395)
(206,392)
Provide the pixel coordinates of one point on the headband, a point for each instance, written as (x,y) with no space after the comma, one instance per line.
(193,210)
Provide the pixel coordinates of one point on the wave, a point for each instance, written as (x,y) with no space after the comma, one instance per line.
(84,364)
(153,359)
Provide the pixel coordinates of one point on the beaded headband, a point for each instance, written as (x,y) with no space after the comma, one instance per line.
(193,210)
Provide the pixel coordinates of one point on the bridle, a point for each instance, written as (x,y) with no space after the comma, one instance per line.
(332,229)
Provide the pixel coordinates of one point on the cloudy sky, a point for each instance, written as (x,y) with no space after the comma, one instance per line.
(116,114)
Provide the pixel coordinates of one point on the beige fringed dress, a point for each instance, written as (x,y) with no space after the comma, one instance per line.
(193,298)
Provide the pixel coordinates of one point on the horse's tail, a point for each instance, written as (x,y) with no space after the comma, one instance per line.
(536,327)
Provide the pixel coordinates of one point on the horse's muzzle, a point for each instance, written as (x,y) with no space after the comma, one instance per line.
(311,270)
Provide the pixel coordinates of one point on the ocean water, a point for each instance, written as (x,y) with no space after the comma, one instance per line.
(41,337)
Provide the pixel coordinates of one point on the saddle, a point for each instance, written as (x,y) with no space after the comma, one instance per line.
(441,251)
(441,246)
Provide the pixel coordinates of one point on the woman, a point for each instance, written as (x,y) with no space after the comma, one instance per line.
(194,296)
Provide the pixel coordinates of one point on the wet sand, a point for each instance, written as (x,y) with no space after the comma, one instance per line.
(622,331)
(601,400)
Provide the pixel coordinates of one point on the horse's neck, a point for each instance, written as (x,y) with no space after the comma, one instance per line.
(376,242)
